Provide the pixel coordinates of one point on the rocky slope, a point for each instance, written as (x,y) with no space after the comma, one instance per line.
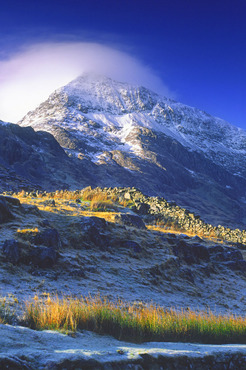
(56,244)
(134,137)
(35,160)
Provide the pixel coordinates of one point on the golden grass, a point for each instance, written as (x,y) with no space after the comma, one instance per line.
(134,323)
(98,195)
(64,207)
(28,231)
(99,205)
(96,202)
(108,216)
(171,230)
(6,314)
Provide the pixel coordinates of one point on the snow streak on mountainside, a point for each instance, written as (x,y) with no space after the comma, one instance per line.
(133,136)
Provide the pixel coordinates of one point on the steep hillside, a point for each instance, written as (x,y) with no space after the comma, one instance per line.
(63,242)
(86,242)
(35,160)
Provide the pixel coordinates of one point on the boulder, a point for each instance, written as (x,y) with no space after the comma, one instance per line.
(44,223)
(13,363)
(141,208)
(10,200)
(93,230)
(218,255)
(11,251)
(128,219)
(131,246)
(5,213)
(229,257)
(88,222)
(191,253)
(239,265)
(49,237)
(221,253)
(127,196)
(43,256)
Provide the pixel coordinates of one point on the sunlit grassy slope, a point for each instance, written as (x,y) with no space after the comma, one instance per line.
(98,204)
(120,319)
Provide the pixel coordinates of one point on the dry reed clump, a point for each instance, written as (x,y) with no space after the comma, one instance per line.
(136,324)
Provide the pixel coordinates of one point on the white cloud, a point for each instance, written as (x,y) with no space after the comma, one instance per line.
(27,78)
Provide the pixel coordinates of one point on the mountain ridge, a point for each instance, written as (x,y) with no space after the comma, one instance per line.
(163,147)
(87,95)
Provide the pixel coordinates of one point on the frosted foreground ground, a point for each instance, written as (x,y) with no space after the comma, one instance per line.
(23,348)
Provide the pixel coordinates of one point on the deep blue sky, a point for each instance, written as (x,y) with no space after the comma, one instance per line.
(197,47)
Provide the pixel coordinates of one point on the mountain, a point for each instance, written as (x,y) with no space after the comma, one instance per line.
(130,136)
(34,160)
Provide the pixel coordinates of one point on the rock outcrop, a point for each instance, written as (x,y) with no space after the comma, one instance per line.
(89,351)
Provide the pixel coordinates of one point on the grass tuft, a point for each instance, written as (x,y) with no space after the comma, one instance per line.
(7,315)
(28,231)
(133,323)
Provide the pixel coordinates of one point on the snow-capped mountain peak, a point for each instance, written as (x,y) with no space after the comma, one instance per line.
(99,93)
(130,136)
(110,113)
